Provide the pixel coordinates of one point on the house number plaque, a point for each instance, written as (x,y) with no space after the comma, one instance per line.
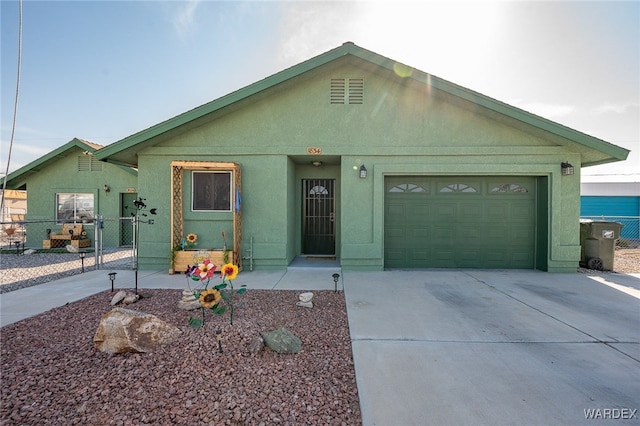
(314,150)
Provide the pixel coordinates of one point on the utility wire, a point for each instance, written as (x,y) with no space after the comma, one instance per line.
(15,108)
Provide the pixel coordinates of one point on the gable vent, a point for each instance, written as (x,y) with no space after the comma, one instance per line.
(338,89)
(87,163)
(356,90)
(347,90)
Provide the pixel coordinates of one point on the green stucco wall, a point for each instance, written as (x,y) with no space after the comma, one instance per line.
(62,176)
(403,127)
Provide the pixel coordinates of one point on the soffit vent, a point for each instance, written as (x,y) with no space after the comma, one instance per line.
(88,163)
(347,91)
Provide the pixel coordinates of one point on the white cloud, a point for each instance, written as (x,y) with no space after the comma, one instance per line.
(615,108)
(184,18)
(21,154)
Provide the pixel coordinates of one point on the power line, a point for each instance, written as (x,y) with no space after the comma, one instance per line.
(15,107)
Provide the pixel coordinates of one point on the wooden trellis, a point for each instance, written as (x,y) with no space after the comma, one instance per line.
(177,200)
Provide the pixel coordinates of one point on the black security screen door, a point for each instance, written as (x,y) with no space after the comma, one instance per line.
(318,216)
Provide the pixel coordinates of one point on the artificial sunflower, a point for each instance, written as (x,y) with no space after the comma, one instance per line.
(205,270)
(209,298)
(230,271)
(192,238)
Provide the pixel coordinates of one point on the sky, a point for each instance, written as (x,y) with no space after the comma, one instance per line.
(104,70)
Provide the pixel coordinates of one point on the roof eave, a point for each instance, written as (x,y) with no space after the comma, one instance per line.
(36,165)
(224,101)
(616,153)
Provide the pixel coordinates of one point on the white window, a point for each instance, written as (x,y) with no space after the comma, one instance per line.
(74,207)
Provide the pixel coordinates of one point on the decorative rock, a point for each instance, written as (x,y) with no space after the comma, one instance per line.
(305,297)
(187,295)
(130,298)
(282,341)
(119,297)
(188,306)
(256,345)
(124,330)
(188,301)
(305,304)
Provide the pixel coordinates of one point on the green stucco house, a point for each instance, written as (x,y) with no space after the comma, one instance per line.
(354,156)
(70,185)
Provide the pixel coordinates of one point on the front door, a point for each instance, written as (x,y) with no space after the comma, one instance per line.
(318,217)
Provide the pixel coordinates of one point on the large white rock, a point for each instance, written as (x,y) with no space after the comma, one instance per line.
(124,330)
(305,297)
(118,297)
(130,298)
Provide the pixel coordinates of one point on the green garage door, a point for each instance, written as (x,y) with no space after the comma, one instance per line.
(459,222)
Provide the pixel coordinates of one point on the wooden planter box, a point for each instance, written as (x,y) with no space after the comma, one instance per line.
(49,244)
(184,258)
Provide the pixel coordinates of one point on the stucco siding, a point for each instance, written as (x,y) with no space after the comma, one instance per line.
(63,176)
(400,129)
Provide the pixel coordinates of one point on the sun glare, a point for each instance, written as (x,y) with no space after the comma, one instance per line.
(435,37)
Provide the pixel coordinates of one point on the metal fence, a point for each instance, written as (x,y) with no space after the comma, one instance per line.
(630,232)
(37,251)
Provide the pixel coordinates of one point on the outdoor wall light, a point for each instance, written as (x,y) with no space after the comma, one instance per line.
(112,277)
(567,169)
(106,188)
(363,172)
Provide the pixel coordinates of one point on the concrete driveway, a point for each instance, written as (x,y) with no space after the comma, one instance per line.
(495,347)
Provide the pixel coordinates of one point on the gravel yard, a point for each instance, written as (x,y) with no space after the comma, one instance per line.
(53,375)
(625,261)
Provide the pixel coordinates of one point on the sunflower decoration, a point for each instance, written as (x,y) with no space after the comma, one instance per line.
(209,298)
(190,241)
(218,298)
(229,271)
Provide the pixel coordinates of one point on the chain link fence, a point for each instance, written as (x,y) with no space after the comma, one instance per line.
(630,232)
(37,251)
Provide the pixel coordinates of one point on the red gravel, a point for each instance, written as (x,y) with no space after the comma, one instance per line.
(52,373)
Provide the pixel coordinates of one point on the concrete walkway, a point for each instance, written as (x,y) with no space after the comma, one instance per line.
(454,347)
